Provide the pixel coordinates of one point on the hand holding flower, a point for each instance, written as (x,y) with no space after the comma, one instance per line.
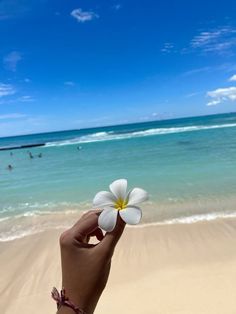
(86,266)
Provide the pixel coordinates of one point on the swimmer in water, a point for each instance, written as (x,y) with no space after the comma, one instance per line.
(9,167)
(40,155)
(30,155)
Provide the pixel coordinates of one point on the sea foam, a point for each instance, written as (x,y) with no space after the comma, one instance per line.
(111,136)
(20,229)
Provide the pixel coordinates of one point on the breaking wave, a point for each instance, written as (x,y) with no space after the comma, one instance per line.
(22,228)
(111,136)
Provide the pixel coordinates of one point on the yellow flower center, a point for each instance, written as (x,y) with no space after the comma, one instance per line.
(121,204)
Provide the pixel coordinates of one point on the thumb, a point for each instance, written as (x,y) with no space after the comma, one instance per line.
(111,238)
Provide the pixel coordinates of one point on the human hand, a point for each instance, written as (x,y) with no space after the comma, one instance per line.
(85,266)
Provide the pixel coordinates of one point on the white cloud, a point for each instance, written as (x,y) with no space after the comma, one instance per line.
(11,60)
(69,83)
(167,47)
(220,41)
(6,90)
(222,94)
(10,116)
(83,16)
(26,98)
(213,102)
(232,78)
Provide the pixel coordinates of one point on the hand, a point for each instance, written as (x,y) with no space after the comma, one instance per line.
(85,266)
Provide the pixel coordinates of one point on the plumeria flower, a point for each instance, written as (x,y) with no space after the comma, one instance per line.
(119,202)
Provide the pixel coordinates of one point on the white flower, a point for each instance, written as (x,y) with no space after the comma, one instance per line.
(119,201)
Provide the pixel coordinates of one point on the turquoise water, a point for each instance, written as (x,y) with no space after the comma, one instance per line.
(187,165)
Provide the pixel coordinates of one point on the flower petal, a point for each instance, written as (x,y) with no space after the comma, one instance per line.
(131,215)
(119,188)
(107,219)
(137,196)
(103,198)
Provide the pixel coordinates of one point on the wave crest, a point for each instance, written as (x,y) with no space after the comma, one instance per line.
(111,136)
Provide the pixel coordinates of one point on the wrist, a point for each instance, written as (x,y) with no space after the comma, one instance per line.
(65,310)
(81,298)
(65,304)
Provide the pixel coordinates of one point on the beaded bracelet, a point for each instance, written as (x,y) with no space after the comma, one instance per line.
(62,300)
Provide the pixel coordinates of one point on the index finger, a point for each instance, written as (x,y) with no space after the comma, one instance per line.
(86,225)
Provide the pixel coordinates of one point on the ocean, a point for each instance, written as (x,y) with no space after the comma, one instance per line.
(187,165)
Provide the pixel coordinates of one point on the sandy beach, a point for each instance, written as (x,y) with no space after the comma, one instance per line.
(182,268)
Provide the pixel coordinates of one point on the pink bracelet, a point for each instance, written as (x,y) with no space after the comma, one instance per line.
(62,300)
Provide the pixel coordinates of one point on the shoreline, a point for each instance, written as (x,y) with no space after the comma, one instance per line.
(178,268)
(31,223)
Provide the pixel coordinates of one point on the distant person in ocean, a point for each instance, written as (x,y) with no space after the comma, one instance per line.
(30,155)
(9,167)
(85,266)
(11,153)
(40,155)
(79,147)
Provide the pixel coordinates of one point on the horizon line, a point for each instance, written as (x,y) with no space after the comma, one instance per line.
(119,124)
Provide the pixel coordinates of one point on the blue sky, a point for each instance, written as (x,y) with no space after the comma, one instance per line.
(75,64)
